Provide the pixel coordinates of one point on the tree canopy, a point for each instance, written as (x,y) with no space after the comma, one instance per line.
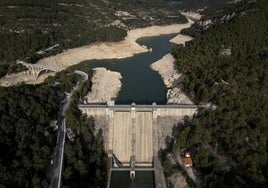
(228,66)
(85,162)
(26,136)
(31,30)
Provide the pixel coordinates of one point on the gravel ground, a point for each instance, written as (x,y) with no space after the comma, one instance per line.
(105,85)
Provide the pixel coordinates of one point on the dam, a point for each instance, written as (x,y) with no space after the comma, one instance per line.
(131,132)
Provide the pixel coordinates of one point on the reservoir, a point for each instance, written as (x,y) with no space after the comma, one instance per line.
(140,84)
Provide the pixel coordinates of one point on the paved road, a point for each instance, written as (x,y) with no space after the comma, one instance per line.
(58,157)
(189,170)
(59,151)
(159,177)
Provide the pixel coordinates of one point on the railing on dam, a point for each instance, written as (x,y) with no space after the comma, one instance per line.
(136,169)
(180,106)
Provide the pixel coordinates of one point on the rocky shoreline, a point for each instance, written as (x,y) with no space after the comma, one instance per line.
(112,50)
(104,50)
(106,85)
(172,79)
(181,39)
(108,50)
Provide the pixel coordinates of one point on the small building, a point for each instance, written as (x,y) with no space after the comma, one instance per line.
(133,106)
(187,160)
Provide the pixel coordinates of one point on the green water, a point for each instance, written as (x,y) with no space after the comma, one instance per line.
(142,180)
(140,84)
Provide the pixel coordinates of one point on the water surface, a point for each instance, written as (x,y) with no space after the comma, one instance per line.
(122,180)
(140,84)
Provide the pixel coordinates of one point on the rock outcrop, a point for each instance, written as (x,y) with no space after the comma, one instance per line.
(172,79)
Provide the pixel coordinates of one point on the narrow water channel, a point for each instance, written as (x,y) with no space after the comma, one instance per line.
(122,180)
(140,84)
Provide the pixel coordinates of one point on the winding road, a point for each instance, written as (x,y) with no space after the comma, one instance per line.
(59,151)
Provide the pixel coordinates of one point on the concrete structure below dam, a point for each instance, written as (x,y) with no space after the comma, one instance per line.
(133,134)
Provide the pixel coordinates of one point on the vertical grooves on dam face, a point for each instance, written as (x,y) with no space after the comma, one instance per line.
(149,130)
(144,138)
(122,137)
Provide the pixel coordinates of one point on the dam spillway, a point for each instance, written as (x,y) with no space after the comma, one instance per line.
(131,136)
(133,130)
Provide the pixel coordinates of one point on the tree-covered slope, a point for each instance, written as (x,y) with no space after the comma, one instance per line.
(30,26)
(228,66)
(197,4)
(33,29)
(26,138)
(85,161)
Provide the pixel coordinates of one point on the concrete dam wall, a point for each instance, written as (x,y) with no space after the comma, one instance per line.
(138,132)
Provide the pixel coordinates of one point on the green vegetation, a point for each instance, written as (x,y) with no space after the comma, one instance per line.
(170,169)
(30,26)
(7,68)
(86,163)
(228,66)
(198,4)
(31,30)
(66,79)
(26,136)
(217,16)
(144,13)
(28,139)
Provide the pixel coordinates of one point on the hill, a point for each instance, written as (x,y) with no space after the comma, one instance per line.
(226,65)
(198,4)
(32,29)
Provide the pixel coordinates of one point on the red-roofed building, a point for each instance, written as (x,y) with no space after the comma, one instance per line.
(187,160)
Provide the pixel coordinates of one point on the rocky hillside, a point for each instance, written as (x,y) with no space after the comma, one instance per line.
(214,17)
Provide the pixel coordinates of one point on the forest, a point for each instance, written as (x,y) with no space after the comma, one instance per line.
(26,137)
(228,66)
(197,4)
(28,115)
(31,30)
(29,27)
(85,162)
(225,65)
